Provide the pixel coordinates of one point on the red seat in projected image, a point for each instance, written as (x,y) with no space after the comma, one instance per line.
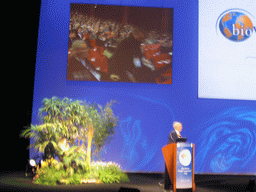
(98,60)
(160,61)
(150,50)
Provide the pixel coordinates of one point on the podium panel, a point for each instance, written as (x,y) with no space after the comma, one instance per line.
(179,160)
(184,166)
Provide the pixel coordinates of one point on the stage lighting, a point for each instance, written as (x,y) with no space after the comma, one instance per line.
(32,162)
(251,185)
(31,168)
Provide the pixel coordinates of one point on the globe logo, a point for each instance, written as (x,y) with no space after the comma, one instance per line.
(236,26)
(185,157)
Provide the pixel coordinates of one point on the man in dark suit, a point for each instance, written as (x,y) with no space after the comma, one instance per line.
(126,64)
(174,135)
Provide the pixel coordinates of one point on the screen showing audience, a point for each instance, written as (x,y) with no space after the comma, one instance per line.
(120,44)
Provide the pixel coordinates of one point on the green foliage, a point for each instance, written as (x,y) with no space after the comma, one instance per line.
(66,125)
(53,172)
(65,118)
(75,179)
(74,154)
(112,174)
(105,130)
(50,173)
(109,172)
(52,176)
(42,135)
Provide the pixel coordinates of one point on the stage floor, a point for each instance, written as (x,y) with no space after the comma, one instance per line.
(16,181)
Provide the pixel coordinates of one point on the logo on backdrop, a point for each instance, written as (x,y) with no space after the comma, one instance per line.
(185,157)
(236,25)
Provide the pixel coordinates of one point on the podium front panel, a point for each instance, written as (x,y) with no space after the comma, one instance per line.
(184,166)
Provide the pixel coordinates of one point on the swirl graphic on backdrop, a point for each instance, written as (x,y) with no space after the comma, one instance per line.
(144,127)
(228,141)
(132,135)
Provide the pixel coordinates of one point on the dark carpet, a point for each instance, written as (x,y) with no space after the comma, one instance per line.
(142,182)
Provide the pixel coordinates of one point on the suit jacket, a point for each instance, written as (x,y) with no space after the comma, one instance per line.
(173,137)
(122,60)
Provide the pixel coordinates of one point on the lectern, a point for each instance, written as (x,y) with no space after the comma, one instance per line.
(179,160)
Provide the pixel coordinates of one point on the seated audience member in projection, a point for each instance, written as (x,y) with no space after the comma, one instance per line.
(126,64)
(80,67)
(73,36)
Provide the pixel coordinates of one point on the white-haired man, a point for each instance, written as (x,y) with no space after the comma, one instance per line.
(174,135)
(79,67)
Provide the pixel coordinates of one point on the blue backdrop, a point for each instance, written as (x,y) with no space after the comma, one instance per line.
(223,131)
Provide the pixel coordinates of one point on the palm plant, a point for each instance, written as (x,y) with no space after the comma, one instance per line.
(42,135)
(76,130)
(74,121)
(98,125)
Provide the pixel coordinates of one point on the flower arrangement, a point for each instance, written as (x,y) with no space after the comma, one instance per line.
(53,172)
(73,131)
(109,172)
(101,164)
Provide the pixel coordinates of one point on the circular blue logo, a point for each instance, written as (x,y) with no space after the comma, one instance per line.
(236,26)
